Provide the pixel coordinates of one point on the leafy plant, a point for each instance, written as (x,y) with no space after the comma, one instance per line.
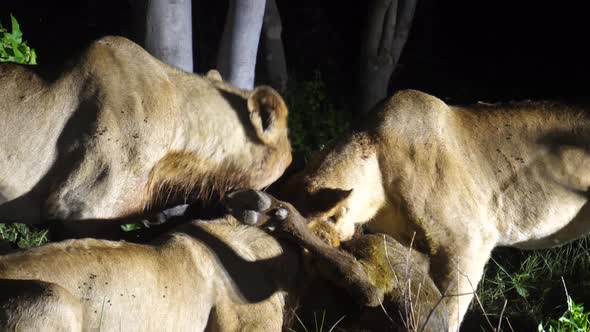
(313,119)
(12,46)
(529,282)
(22,235)
(575,319)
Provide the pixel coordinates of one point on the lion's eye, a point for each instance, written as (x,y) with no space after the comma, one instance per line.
(332,219)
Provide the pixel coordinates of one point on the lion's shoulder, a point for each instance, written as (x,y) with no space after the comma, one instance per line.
(117,57)
(409,111)
(117,46)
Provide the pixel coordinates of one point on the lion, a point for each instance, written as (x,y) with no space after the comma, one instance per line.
(218,275)
(456,182)
(380,274)
(116,134)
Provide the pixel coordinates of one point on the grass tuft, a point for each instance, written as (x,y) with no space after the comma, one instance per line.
(23,236)
(529,282)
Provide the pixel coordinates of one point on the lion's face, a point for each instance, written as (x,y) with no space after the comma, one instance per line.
(342,185)
(346,193)
(344,208)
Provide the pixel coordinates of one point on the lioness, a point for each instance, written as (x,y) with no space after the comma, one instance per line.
(118,133)
(462,179)
(215,275)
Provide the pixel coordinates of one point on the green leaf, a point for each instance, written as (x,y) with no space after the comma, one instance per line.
(130,227)
(33,58)
(522,291)
(11,58)
(7,39)
(16,33)
(13,48)
(18,54)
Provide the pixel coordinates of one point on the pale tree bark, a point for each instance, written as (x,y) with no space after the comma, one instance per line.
(274,52)
(387,29)
(166,30)
(236,60)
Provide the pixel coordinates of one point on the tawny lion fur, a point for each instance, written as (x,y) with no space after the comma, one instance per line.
(461,180)
(116,133)
(204,276)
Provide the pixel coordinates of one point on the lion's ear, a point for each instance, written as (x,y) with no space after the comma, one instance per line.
(268,114)
(328,199)
(214,75)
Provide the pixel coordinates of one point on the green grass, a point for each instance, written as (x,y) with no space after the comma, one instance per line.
(530,283)
(22,235)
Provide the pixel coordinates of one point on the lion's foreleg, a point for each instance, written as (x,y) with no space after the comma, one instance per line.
(457,271)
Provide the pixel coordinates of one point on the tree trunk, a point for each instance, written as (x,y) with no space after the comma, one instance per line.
(274,55)
(386,32)
(236,59)
(167,31)
(405,16)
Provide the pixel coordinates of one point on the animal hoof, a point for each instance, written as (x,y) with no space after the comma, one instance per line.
(247,199)
(281,214)
(248,217)
(176,211)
